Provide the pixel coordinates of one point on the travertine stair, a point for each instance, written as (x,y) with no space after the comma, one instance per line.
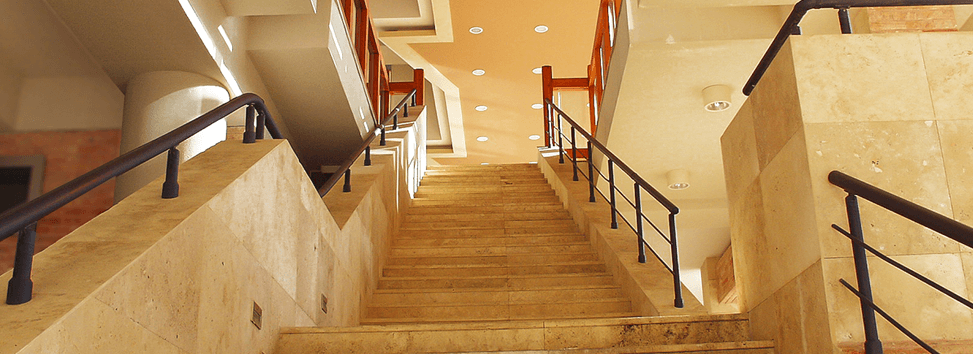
(488,260)
(490,243)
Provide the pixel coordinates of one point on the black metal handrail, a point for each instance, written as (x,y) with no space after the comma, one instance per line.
(639,185)
(947,227)
(24,217)
(344,170)
(791,25)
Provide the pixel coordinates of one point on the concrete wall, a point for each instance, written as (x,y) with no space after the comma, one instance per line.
(887,109)
(182,275)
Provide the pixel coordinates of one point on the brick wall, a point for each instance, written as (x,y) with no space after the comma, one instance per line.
(67,156)
(911,19)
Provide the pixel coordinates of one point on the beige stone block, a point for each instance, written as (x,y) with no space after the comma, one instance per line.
(108,331)
(790,243)
(776,107)
(921,309)
(957,152)
(740,166)
(949,66)
(852,78)
(903,158)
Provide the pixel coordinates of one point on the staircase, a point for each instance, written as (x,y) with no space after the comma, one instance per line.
(488,260)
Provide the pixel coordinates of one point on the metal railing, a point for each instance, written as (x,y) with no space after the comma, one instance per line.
(344,170)
(792,25)
(24,217)
(925,217)
(639,183)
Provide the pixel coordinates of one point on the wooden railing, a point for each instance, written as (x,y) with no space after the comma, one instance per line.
(373,69)
(601,55)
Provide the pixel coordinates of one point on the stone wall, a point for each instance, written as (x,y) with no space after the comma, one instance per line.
(887,109)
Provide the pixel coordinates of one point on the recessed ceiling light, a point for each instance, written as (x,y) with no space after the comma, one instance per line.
(476,30)
(534,137)
(479,72)
(537,71)
(484,163)
(480,108)
(537,106)
(540,29)
(482,138)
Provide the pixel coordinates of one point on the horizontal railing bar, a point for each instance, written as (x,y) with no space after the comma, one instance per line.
(903,268)
(628,170)
(803,6)
(888,317)
(340,173)
(912,211)
(663,234)
(17,218)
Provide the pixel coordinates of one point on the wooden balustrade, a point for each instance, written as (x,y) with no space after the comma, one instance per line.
(371,63)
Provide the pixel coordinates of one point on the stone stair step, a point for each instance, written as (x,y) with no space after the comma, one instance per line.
(690,334)
(571,268)
(494,259)
(473,250)
(504,202)
(499,215)
(499,208)
(747,347)
(480,312)
(403,242)
(452,296)
(557,229)
(487,195)
(487,224)
(515,282)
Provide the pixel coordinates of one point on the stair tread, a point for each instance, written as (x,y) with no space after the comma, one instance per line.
(453,266)
(484,290)
(503,303)
(510,276)
(494,246)
(646,349)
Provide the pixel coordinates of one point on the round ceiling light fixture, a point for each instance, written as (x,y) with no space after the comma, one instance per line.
(534,137)
(537,106)
(716,98)
(537,71)
(540,29)
(678,179)
(476,30)
(482,138)
(480,108)
(479,72)
(484,163)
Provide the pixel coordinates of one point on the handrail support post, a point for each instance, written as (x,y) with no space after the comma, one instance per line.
(560,141)
(368,156)
(844,20)
(574,155)
(638,222)
(591,176)
(611,188)
(20,288)
(249,135)
(872,343)
(261,125)
(170,188)
(382,141)
(674,247)
(347,187)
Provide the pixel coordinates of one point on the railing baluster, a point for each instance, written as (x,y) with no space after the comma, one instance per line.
(574,154)
(872,343)
(347,187)
(560,141)
(591,176)
(20,288)
(844,20)
(382,142)
(170,188)
(249,136)
(611,188)
(674,247)
(639,228)
(368,156)
(261,125)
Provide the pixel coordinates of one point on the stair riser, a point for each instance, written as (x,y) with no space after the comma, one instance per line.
(492,232)
(486,224)
(497,297)
(484,251)
(495,283)
(485,188)
(501,312)
(485,241)
(493,260)
(500,215)
(495,271)
(532,202)
(418,209)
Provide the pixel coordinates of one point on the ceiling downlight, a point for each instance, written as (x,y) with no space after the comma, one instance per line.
(476,30)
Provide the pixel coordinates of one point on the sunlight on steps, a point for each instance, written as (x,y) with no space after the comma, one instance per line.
(488,260)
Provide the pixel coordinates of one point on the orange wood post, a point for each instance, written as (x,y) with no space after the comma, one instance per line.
(547,95)
(419,79)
